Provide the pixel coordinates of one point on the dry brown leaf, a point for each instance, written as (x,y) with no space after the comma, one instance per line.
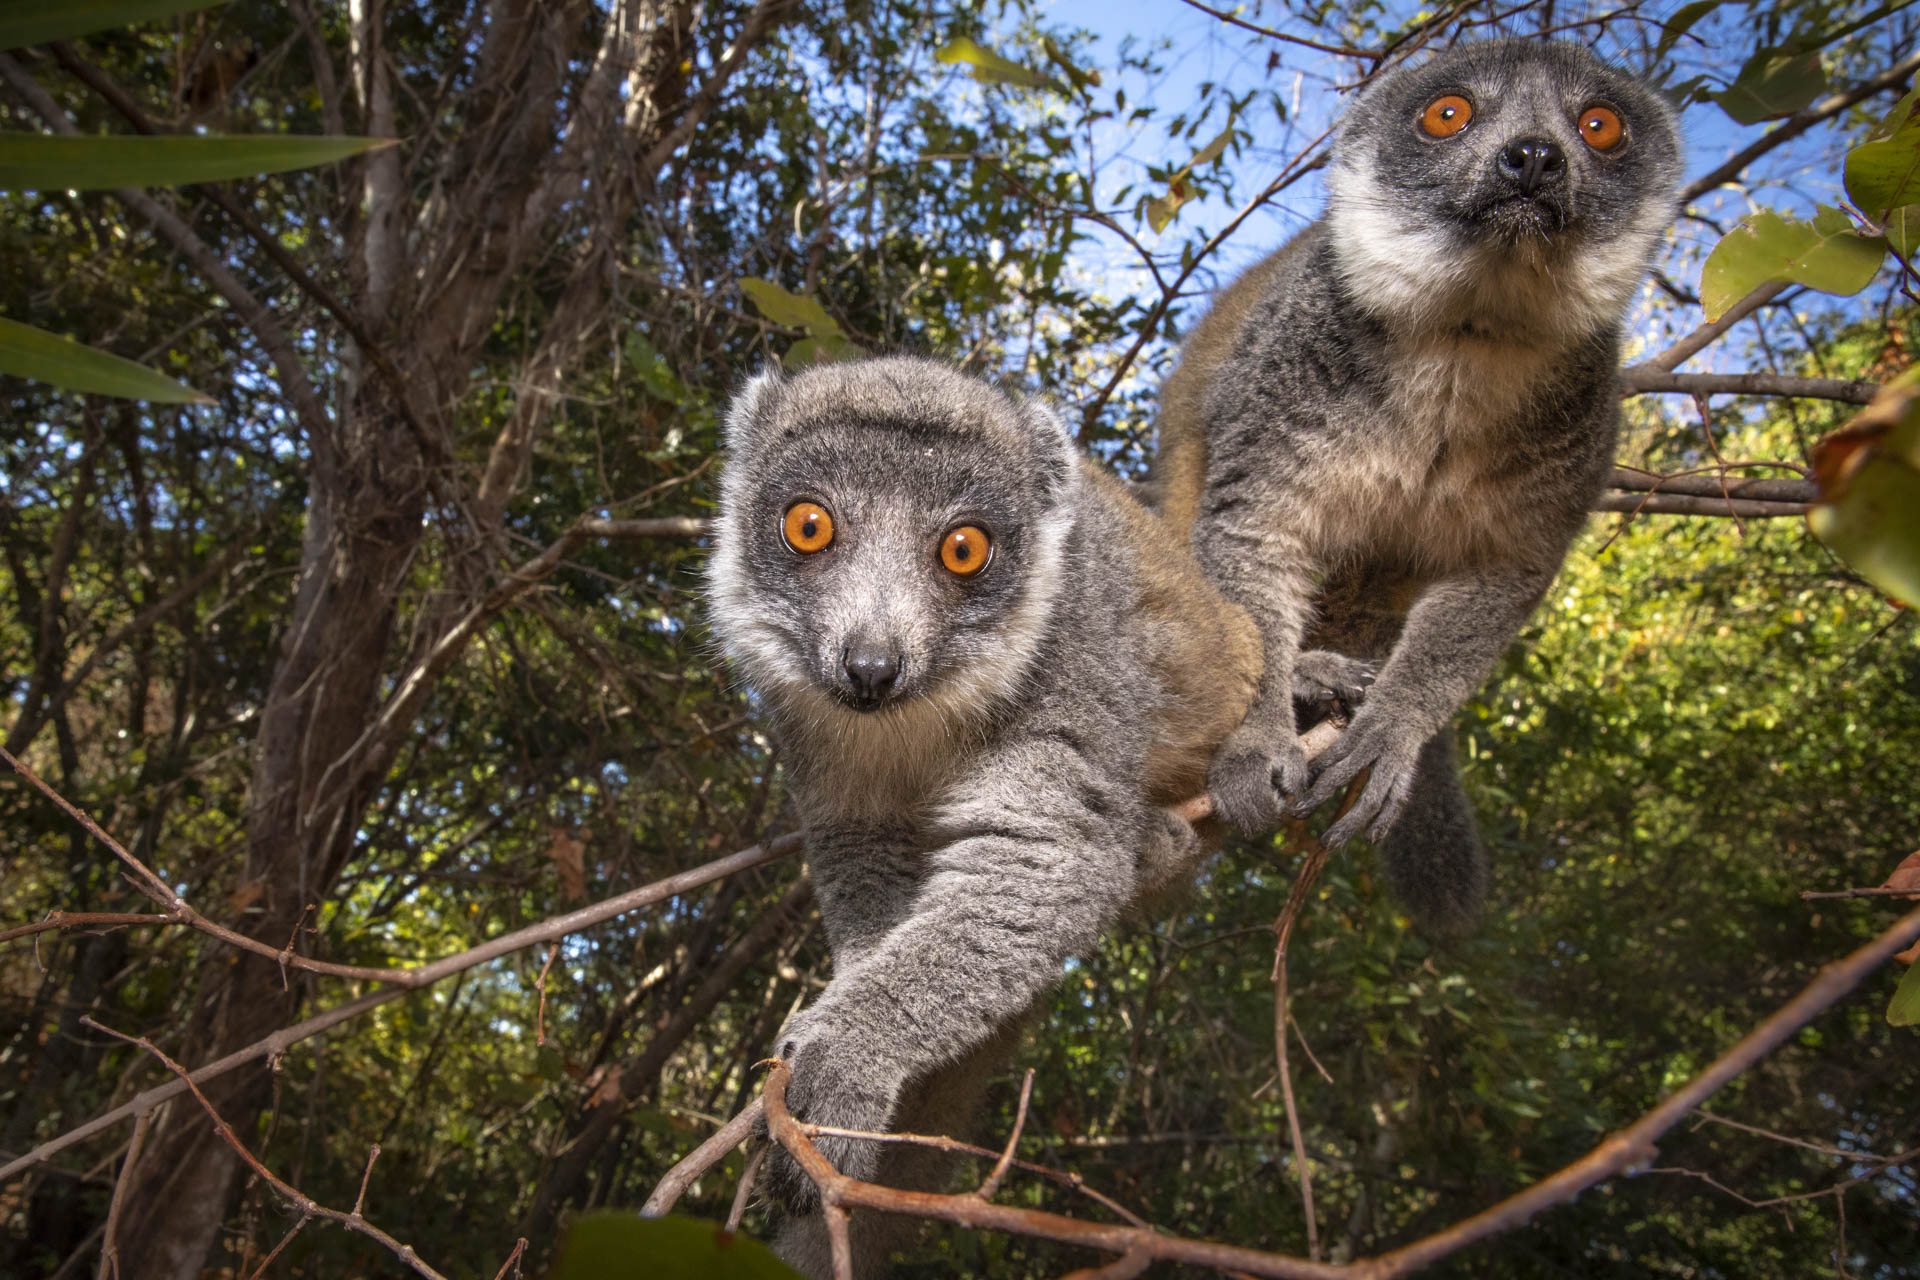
(1907,874)
(568,857)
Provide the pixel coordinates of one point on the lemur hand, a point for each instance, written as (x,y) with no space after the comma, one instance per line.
(1255,767)
(836,1082)
(1385,740)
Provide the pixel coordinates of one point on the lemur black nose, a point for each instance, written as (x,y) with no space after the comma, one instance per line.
(1532,162)
(871,667)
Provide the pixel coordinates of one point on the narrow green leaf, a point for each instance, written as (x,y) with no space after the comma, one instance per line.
(1827,254)
(1212,151)
(619,1246)
(1773,84)
(41,23)
(1884,175)
(1057,56)
(990,68)
(27,352)
(1682,22)
(47,162)
(1904,1009)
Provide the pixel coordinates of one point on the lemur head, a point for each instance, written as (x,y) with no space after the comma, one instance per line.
(1525,180)
(888,540)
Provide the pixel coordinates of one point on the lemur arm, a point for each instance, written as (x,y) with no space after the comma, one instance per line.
(866,875)
(1455,632)
(1028,874)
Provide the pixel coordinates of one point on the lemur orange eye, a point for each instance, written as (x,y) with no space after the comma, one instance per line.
(1602,128)
(1446,116)
(966,550)
(808,528)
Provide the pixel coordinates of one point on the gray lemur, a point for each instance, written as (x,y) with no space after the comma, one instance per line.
(990,671)
(1385,436)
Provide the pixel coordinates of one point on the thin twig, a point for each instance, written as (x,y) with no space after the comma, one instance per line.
(744,1192)
(1629,1148)
(700,1159)
(302,1202)
(987,1189)
(110,1242)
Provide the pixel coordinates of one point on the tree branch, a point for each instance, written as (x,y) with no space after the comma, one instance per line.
(1640,380)
(1894,77)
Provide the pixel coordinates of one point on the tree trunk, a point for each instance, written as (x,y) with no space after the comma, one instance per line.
(429,273)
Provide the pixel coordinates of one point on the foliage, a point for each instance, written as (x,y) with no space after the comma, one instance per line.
(1706,719)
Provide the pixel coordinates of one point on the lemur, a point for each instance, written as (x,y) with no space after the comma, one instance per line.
(1384,437)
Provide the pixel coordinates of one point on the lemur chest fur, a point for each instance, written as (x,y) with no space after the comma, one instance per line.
(1410,473)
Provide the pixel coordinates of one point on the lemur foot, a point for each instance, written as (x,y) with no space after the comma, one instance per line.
(1323,678)
(1387,744)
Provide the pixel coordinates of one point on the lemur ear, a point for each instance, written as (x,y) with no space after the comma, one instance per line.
(750,406)
(1059,452)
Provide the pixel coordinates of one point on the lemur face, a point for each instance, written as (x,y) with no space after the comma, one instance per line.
(888,536)
(1503,186)
(1515,140)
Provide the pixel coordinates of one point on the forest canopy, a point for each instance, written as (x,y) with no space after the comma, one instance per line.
(392,645)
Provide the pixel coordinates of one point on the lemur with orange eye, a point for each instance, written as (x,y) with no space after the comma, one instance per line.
(1384,437)
(991,672)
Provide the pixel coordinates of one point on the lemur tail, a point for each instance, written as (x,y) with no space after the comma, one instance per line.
(1433,856)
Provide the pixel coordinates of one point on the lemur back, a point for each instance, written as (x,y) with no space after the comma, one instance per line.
(1385,436)
(987,668)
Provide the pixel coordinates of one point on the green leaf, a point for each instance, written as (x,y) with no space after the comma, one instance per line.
(990,68)
(1903,229)
(613,1246)
(1681,22)
(27,352)
(651,368)
(1869,477)
(41,23)
(794,310)
(1884,175)
(47,162)
(1057,56)
(1773,84)
(1904,1009)
(1160,209)
(1827,254)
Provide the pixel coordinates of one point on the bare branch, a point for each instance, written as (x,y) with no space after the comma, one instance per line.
(702,1158)
(1670,359)
(1640,380)
(1661,504)
(1630,1148)
(1894,77)
(308,1207)
(987,1189)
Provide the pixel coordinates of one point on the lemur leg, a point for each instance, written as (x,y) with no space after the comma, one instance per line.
(1433,855)
(1266,573)
(1454,634)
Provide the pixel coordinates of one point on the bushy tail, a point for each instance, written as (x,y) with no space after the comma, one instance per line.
(1433,856)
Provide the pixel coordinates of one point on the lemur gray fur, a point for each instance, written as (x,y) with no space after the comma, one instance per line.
(990,670)
(1384,437)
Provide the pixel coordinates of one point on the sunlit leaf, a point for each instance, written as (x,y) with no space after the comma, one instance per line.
(1869,477)
(614,1246)
(1057,56)
(1773,84)
(794,310)
(1885,175)
(1682,22)
(1904,1009)
(1903,229)
(41,23)
(1827,254)
(1180,191)
(27,352)
(990,68)
(48,162)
